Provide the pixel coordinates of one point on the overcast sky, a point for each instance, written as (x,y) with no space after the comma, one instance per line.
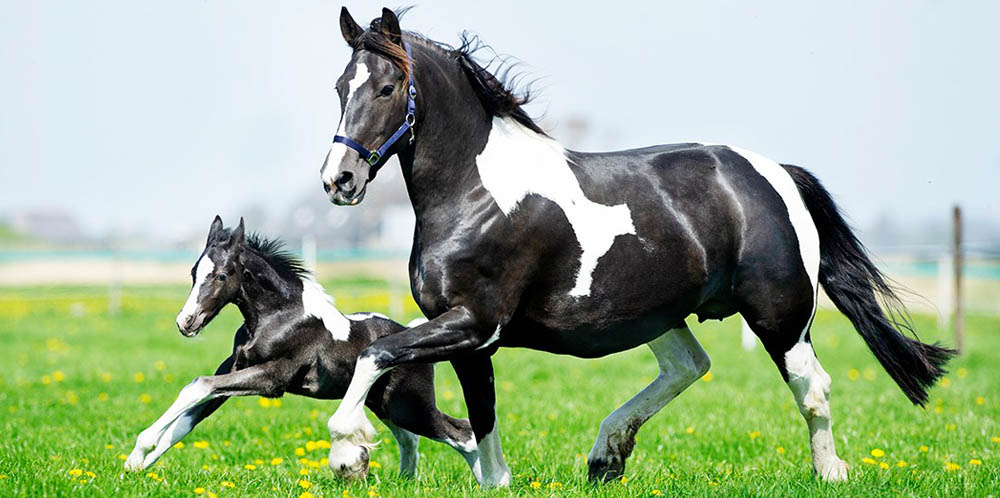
(133,114)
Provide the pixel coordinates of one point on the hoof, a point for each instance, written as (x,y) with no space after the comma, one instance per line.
(348,460)
(602,470)
(835,472)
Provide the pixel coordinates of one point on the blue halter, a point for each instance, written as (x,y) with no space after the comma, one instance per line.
(373,157)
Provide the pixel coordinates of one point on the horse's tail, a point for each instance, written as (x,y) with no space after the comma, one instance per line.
(857,287)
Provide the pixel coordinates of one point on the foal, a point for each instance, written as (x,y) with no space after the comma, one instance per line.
(293,340)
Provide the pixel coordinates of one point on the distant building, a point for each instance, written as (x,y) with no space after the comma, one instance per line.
(50,225)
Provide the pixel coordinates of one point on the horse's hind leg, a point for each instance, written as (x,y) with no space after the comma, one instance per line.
(786,338)
(682,361)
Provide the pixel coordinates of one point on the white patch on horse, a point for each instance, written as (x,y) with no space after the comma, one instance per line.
(517,162)
(204,267)
(337,150)
(493,338)
(802,222)
(810,385)
(317,303)
(415,322)
(350,430)
(360,317)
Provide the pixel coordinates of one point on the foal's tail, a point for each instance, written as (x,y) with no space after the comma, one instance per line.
(857,287)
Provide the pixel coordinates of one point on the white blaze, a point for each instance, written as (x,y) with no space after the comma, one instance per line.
(337,150)
(201,272)
(517,162)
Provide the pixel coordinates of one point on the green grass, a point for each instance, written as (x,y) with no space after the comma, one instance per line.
(70,399)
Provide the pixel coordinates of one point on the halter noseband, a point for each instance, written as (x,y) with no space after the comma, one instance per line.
(372,157)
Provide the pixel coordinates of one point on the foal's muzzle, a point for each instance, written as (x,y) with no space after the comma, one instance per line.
(192,324)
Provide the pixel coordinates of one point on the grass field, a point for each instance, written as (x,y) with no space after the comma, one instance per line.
(77,387)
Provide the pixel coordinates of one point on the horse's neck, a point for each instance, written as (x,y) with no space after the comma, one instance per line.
(265,295)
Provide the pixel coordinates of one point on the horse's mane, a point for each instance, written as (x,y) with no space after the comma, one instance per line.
(273,251)
(496,90)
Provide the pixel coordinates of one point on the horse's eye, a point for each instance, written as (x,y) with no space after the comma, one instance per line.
(221,277)
(386,91)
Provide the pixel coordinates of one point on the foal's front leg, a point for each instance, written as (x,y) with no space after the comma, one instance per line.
(456,331)
(197,401)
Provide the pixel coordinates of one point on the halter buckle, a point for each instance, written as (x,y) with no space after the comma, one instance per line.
(373,158)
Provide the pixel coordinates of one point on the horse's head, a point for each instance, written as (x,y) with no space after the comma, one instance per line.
(216,276)
(373,102)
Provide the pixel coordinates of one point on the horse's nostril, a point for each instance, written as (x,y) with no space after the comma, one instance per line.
(326,187)
(343,178)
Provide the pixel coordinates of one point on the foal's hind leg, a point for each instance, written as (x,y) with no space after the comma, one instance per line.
(682,361)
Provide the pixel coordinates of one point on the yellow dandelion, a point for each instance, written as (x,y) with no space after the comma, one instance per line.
(780,450)
(447,395)
(46,379)
(535,484)
(226,443)
(72,398)
(975,461)
(75,472)
(555,485)
(708,376)
(105,377)
(275,403)
(58,376)
(951,466)
(995,439)
(938,409)
(201,444)
(258,462)
(264,402)
(374,465)
(309,495)
(204,467)
(179,445)
(139,377)
(656,492)
(323,462)
(962,373)
(304,484)
(945,382)
(303,471)
(93,475)
(869,374)
(877,453)
(323,445)
(145,398)
(212,495)
(754,435)
(123,457)
(102,397)
(980,400)
(624,480)
(199,491)
(853,374)
(300,451)
(372,493)
(313,464)
(883,466)
(227,484)
(689,429)
(901,463)
(310,445)
(277,460)
(869,461)
(924,448)
(250,466)
(160,365)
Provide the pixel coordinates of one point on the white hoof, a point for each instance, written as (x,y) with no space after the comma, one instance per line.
(835,472)
(349,460)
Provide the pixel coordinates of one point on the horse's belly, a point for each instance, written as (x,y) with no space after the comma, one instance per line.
(587,341)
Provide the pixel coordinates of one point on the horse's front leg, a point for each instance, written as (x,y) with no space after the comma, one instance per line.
(456,331)
(198,400)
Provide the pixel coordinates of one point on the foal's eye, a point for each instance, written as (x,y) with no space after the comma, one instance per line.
(221,277)
(386,91)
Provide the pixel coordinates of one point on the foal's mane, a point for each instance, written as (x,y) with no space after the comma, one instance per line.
(274,253)
(496,90)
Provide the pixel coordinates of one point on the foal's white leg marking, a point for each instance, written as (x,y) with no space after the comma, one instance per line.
(811,387)
(470,452)
(337,150)
(201,272)
(798,214)
(351,434)
(317,303)
(408,444)
(682,361)
(517,162)
(192,395)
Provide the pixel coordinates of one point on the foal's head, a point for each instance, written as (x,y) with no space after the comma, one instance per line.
(373,104)
(217,277)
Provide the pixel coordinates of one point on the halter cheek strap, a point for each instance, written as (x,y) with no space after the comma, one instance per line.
(374,157)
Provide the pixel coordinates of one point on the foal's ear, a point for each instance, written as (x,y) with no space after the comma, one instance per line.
(349,28)
(238,237)
(214,229)
(390,26)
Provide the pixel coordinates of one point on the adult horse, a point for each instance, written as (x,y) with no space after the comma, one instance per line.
(522,243)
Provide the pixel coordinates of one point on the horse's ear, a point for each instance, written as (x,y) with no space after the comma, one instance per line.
(214,229)
(349,28)
(238,237)
(390,26)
